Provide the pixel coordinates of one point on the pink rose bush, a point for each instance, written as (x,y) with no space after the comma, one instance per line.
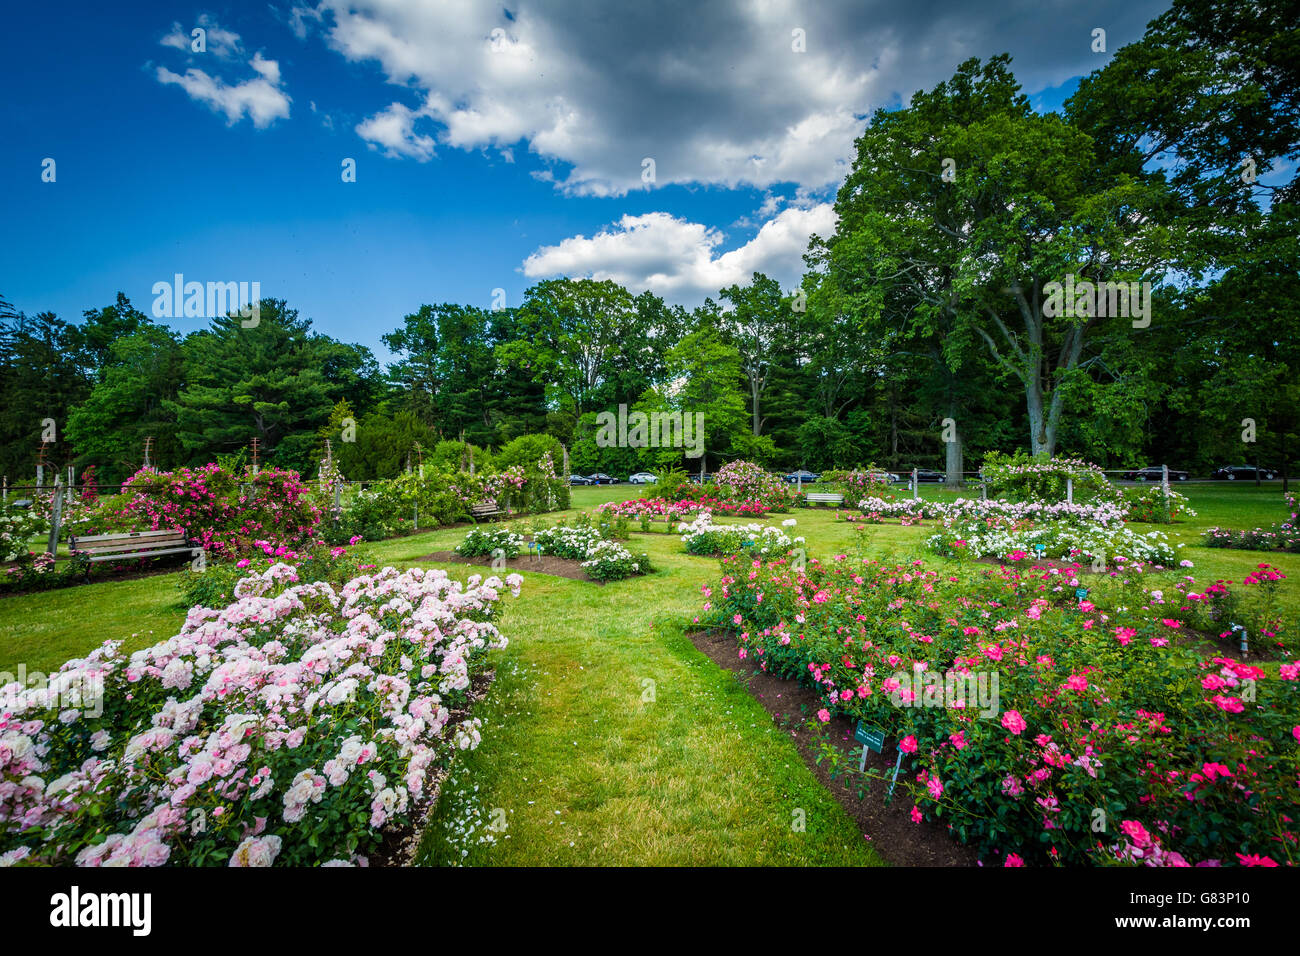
(293,726)
(1038,725)
(224,512)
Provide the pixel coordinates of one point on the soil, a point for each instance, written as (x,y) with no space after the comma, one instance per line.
(543,564)
(888,828)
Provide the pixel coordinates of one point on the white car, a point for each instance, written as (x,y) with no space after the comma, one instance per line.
(643,478)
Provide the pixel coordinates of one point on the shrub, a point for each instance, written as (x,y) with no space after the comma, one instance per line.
(1153,505)
(1038,726)
(293,726)
(670,485)
(703,537)
(610,561)
(17,527)
(223,511)
(487,542)
(1022,477)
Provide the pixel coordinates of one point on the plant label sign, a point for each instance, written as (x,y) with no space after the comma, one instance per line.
(871,738)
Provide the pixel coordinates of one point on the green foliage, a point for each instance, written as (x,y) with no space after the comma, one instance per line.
(1023,477)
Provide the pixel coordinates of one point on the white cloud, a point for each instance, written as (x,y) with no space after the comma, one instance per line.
(678,259)
(394,130)
(217,40)
(713,92)
(261,98)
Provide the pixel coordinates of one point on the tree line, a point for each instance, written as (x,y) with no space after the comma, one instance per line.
(926,331)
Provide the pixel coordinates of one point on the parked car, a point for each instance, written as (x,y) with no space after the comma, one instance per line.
(928,474)
(802,475)
(579,480)
(704,479)
(600,478)
(1242,473)
(1153,473)
(643,478)
(885,476)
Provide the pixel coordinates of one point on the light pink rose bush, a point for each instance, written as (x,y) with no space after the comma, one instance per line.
(292,727)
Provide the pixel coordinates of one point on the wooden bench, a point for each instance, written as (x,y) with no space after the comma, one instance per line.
(124,545)
(823,498)
(485,510)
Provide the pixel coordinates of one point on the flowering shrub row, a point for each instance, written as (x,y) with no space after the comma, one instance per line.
(1040,727)
(603,560)
(1062,540)
(1156,506)
(1024,477)
(17,527)
(1280,536)
(222,511)
(293,726)
(656,508)
(703,537)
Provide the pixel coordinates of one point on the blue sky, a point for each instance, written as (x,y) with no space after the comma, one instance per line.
(494,145)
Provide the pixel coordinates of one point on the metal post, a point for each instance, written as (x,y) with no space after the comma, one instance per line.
(72,480)
(40,478)
(916,492)
(1164,481)
(416,521)
(56,514)
(1069,490)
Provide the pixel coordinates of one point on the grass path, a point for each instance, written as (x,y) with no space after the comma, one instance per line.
(611,741)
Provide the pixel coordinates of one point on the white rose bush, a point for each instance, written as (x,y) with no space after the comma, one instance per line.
(703,537)
(297,726)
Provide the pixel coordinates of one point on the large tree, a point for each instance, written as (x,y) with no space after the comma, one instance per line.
(275,381)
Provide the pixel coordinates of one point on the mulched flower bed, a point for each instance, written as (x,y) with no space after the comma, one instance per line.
(888,828)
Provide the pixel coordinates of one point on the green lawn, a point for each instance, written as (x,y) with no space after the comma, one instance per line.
(608,739)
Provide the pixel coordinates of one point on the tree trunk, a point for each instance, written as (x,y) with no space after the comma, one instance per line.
(1041,439)
(953,451)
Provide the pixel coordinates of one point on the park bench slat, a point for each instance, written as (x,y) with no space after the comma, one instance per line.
(486,509)
(125,545)
(827,498)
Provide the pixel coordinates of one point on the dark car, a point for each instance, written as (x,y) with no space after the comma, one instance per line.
(1153,473)
(795,477)
(579,480)
(599,478)
(704,479)
(1243,473)
(928,474)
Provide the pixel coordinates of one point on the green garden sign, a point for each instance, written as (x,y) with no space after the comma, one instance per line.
(870,737)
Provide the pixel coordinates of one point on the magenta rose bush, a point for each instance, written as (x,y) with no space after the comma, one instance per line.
(744,481)
(294,726)
(227,514)
(1111,735)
